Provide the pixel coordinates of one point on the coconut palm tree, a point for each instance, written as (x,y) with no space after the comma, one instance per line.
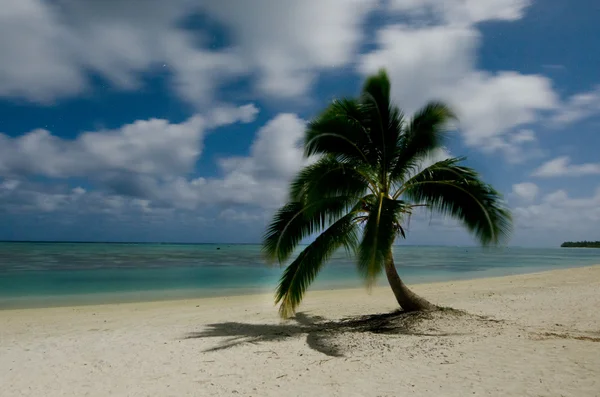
(366,180)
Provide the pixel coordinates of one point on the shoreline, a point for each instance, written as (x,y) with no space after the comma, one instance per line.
(262,295)
(45,278)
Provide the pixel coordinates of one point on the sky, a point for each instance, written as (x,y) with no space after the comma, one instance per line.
(180,121)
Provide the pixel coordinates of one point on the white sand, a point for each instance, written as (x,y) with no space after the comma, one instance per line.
(546,344)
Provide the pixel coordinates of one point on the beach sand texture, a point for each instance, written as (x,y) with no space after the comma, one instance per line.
(527,335)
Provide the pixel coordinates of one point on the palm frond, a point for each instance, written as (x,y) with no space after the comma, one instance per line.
(296,220)
(329,177)
(379,233)
(375,98)
(396,127)
(302,271)
(378,87)
(458,191)
(426,132)
(340,132)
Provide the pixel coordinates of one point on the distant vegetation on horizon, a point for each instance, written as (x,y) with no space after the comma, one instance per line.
(581,244)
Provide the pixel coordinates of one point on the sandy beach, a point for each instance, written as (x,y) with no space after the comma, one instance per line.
(527,335)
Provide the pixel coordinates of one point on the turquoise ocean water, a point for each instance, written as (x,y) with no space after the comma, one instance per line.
(49,274)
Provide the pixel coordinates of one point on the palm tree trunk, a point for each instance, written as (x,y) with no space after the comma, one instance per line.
(408,300)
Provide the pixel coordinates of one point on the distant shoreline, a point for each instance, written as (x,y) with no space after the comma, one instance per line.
(580,244)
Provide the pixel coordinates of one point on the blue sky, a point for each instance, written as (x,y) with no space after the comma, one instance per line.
(179,121)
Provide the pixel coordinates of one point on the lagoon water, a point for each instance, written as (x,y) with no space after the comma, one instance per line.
(50,274)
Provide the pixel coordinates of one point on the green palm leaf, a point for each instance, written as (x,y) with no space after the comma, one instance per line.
(339,132)
(302,271)
(329,177)
(458,191)
(296,221)
(426,132)
(375,98)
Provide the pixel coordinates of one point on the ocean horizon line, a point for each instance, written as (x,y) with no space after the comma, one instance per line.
(246,243)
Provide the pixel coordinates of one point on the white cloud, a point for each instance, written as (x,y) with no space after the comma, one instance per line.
(152,147)
(225,115)
(261,178)
(147,147)
(50,49)
(276,151)
(33,65)
(421,60)
(578,107)
(561,214)
(40,198)
(493,105)
(561,166)
(463,11)
(438,61)
(287,42)
(526,191)
(248,186)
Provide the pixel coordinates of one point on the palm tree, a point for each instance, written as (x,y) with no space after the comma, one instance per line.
(364,185)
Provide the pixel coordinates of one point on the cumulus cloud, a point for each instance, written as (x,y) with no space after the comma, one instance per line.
(50,49)
(33,65)
(561,166)
(463,11)
(152,147)
(438,61)
(148,161)
(288,41)
(276,151)
(228,114)
(139,165)
(125,205)
(260,179)
(558,209)
(421,60)
(21,197)
(146,146)
(494,105)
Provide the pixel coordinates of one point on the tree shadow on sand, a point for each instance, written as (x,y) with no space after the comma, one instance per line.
(320,333)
